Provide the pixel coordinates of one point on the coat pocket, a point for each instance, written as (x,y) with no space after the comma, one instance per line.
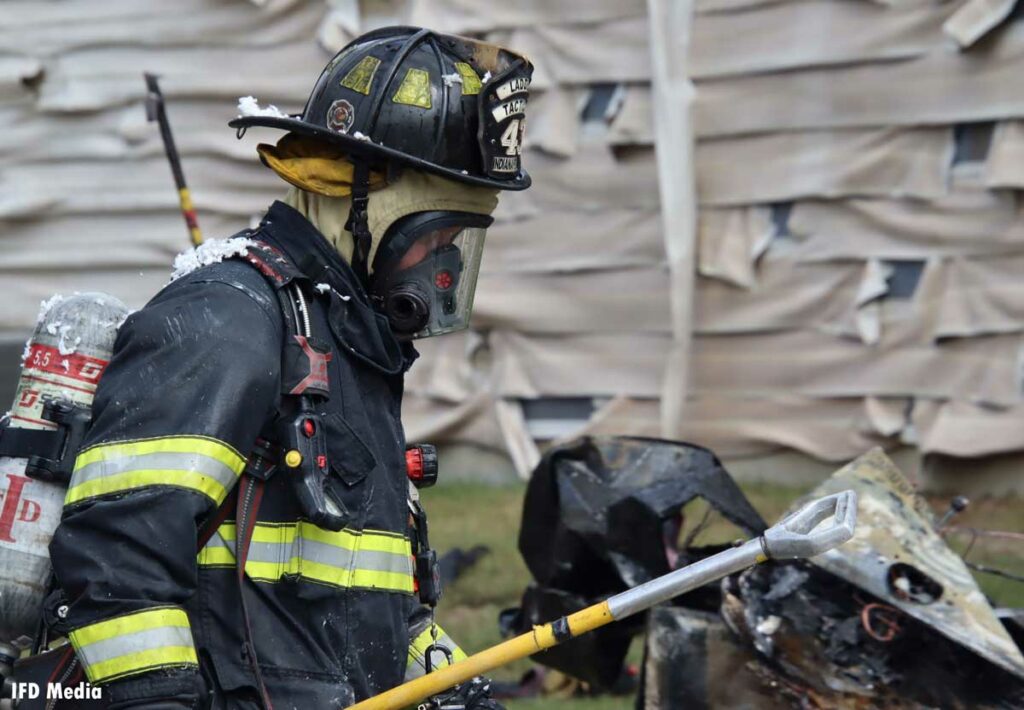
(351,459)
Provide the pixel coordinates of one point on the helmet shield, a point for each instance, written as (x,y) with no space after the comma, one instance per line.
(425,273)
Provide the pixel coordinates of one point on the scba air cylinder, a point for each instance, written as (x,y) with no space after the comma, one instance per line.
(63,359)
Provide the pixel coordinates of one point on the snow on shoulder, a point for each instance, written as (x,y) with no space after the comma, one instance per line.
(209,252)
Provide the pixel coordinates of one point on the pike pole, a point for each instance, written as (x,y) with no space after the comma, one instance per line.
(156,110)
(805,533)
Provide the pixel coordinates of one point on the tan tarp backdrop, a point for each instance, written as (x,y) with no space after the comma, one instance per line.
(827,152)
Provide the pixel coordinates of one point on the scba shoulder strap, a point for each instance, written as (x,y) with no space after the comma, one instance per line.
(302,445)
(304,358)
(305,386)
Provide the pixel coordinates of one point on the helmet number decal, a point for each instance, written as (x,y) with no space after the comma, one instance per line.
(512,138)
(502,104)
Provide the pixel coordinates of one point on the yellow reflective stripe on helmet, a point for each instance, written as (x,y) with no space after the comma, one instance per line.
(195,463)
(367,559)
(416,665)
(415,89)
(360,77)
(134,643)
(471,83)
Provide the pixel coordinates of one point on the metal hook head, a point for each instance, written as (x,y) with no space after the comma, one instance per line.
(802,534)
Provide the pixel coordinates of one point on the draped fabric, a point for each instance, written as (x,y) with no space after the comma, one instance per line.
(835,143)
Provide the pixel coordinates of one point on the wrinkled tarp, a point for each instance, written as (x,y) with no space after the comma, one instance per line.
(903,363)
(940,87)
(741,427)
(976,19)
(1004,165)
(773,37)
(870,162)
(970,220)
(461,16)
(729,242)
(78,157)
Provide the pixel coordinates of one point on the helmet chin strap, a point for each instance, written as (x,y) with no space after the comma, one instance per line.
(358,221)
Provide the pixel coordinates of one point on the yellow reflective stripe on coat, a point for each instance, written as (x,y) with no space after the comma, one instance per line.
(134,643)
(196,463)
(366,559)
(417,663)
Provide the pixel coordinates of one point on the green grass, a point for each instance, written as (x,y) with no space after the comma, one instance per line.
(465,514)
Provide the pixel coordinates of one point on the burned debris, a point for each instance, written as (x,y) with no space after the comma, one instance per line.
(603,514)
(891,619)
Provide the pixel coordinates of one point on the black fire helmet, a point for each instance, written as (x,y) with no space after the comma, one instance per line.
(439,103)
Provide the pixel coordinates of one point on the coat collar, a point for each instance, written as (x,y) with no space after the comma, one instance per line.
(363,331)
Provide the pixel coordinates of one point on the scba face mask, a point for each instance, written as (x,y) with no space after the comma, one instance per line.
(425,272)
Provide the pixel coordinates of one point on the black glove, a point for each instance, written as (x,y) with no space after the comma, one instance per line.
(472,695)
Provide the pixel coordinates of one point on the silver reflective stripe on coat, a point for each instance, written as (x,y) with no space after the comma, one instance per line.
(133,643)
(347,558)
(210,467)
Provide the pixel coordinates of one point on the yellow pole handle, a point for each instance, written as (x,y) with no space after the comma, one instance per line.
(798,535)
(541,638)
(189,213)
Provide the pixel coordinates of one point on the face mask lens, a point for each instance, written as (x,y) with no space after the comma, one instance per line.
(431,287)
(456,268)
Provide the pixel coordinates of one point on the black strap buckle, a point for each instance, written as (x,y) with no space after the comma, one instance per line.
(51,454)
(262,461)
(72,422)
(358,223)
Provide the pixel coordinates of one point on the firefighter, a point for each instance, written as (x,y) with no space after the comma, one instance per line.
(252,407)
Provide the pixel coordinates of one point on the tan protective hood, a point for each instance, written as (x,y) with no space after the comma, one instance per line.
(321,178)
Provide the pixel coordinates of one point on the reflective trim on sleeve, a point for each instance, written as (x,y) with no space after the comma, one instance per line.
(134,643)
(366,559)
(417,664)
(196,463)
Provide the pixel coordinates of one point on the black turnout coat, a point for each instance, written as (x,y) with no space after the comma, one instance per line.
(195,380)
